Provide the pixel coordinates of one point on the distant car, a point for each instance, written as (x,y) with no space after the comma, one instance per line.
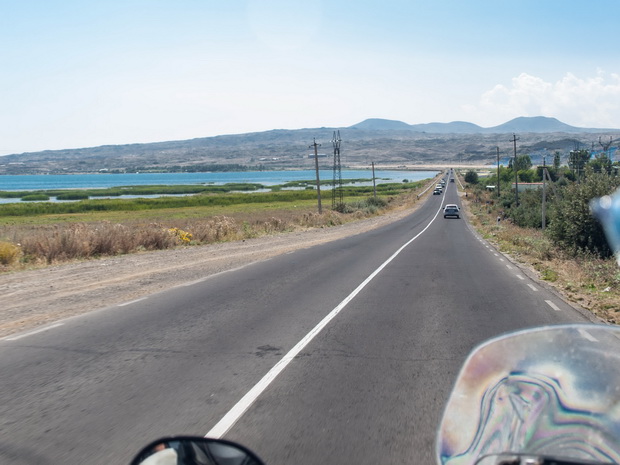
(437,192)
(451,210)
(451,179)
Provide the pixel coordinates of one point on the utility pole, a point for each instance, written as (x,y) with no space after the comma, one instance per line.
(374,184)
(544,198)
(514,167)
(605,145)
(318,181)
(337,194)
(497,172)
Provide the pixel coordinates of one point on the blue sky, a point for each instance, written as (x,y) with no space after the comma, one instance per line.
(76,73)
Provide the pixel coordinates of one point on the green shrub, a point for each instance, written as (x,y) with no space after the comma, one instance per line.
(376,202)
(35,197)
(471,177)
(72,196)
(549,275)
(572,226)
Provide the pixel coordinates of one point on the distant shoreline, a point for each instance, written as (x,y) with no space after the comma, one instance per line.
(428,167)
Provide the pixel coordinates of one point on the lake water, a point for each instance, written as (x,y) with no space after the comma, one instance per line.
(266,178)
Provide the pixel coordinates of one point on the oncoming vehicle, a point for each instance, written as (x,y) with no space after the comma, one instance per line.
(437,192)
(451,210)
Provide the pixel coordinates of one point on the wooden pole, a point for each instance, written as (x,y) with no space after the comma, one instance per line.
(318,181)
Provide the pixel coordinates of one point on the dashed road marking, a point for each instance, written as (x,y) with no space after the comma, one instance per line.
(30,333)
(131,302)
(552,305)
(587,335)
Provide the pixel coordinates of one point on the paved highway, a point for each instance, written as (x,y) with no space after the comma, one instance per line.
(339,353)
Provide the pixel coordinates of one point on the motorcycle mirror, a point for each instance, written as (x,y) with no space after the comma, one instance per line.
(607,210)
(195,450)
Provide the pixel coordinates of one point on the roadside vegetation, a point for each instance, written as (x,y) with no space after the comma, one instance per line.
(44,233)
(571,252)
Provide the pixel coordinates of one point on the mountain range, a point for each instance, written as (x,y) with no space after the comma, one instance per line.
(535,124)
(387,142)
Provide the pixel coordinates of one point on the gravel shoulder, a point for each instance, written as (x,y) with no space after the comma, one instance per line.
(36,298)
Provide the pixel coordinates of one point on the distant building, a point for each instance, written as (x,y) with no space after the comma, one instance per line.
(319,155)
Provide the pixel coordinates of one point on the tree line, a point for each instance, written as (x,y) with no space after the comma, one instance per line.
(569,190)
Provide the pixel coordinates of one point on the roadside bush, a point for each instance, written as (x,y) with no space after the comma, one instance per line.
(154,237)
(217,229)
(471,177)
(9,253)
(572,225)
(529,212)
(376,202)
(184,237)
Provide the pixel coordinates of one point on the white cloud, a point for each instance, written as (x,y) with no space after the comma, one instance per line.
(584,102)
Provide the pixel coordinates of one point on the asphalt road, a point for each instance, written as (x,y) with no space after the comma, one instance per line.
(401,307)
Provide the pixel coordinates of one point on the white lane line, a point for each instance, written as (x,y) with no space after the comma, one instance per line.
(501,259)
(233,415)
(36,331)
(552,305)
(532,287)
(131,302)
(497,255)
(509,267)
(519,276)
(587,335)
(206,278)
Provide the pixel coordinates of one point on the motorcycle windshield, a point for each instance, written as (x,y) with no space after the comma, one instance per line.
(552,391)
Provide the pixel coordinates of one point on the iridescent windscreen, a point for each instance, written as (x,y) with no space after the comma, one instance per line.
(547,391)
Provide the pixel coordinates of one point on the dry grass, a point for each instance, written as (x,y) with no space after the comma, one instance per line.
(27,245)
(590,282)
(9,253)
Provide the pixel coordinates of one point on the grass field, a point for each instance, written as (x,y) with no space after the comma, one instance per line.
(32,234)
